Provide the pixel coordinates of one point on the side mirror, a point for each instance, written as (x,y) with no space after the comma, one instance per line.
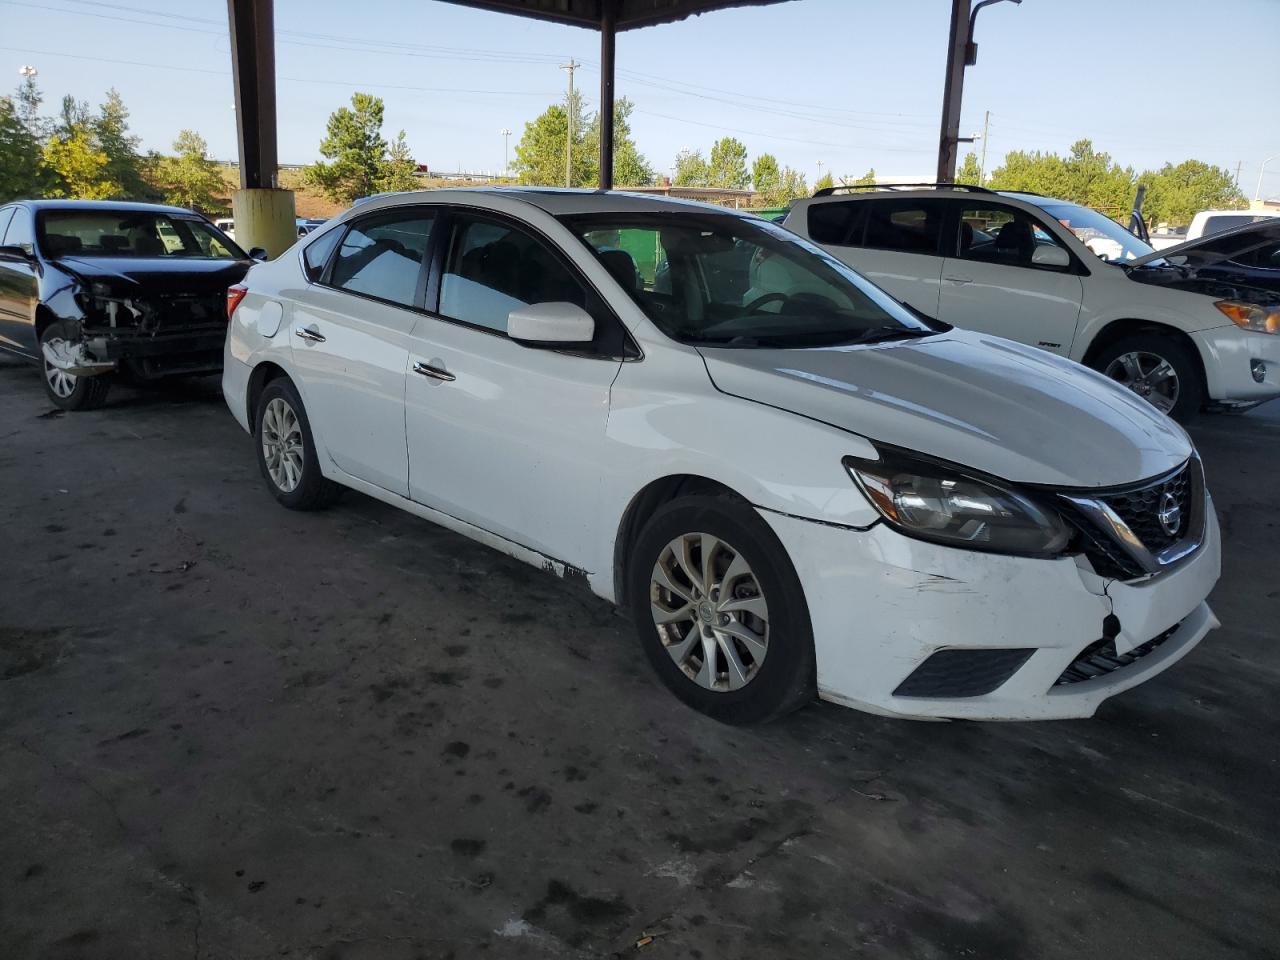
(550,325)
(1050,256)
(10,252)
(257,253)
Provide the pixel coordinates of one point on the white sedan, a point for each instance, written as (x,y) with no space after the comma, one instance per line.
(794,484)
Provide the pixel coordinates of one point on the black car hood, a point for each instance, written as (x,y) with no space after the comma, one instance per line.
(1206,266)
(138,276)
(1218,247)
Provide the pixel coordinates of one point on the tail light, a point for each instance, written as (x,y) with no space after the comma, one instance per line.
(234,295)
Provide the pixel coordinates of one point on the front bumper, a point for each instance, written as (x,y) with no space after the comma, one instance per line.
(1228,354)
(882,604)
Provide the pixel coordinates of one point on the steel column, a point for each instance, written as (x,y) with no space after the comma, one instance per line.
(608,32)
(253,65)
(953,91)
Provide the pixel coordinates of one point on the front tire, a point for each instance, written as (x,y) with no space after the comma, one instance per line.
(720,611)
(67,391)
(1159,369)
(287,452)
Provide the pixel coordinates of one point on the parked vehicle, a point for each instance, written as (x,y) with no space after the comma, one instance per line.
(1208,222)
(88,289)
(792,482)
(227,226)
(1021,266)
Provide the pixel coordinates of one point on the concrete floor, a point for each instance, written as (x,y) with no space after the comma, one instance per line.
(230,731)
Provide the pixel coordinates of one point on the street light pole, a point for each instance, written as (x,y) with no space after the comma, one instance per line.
(1257,191)
(506,152)
(961,52)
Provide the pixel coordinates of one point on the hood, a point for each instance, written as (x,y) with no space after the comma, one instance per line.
(139,276)
(1009,410)
(1218,247)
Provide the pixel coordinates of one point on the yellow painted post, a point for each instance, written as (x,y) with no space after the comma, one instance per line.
(264,218)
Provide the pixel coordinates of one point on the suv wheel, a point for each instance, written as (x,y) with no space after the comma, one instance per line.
(720,611)
(286,452)
(1157,368)
(66,390)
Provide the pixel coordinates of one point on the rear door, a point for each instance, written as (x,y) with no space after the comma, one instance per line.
(350,335)
(19,283)
(990,284)
(893,241)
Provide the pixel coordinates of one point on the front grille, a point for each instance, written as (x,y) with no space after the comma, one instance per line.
(1100,658)
(1140,509)
(962,673)
(188,310)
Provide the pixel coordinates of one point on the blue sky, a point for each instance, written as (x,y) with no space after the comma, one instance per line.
(852,84)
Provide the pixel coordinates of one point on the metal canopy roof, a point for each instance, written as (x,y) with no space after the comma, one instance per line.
(628,14)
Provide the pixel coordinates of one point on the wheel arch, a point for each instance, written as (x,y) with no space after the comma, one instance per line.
(262,375)
(1117,330)
(644,504)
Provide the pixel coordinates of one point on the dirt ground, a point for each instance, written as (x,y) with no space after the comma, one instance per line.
(229,731)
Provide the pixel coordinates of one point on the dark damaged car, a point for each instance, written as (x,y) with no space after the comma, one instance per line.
(95,289)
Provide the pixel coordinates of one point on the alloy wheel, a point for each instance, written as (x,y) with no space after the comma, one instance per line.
(710,611)
(1148,375)
(282,444)
(62,384)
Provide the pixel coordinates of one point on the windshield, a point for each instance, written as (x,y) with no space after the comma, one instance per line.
(733,281)
(132,233)
(1106,238)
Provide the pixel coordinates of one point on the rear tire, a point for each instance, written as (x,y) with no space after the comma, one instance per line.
(1159,369)
(68,391)
(287,452)
(734,641)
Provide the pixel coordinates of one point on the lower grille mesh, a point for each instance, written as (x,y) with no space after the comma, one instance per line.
(1100,658)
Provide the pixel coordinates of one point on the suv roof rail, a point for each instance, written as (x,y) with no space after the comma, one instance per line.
(831,191)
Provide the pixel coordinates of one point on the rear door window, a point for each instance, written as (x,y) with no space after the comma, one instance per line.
(382,258)
(906,225)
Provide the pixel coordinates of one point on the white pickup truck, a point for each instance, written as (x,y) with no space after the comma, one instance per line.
(1208,222)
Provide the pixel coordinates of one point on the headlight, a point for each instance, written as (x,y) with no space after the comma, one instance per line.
(947,504)
(1251,316)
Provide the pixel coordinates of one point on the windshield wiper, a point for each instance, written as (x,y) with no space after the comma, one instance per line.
(882,334)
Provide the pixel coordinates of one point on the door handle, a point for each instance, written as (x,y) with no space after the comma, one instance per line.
(961,280)
(435,373)
(310,334)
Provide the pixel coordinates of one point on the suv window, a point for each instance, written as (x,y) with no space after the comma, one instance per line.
(909,226)
(383,257)
(990,233)
(316,255)
(492,268)
(1227,221)
(837,223)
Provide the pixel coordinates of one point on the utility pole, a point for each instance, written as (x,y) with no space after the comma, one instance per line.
(571,66)
(506,152)
(1239,164)
(982,164)
(819,169)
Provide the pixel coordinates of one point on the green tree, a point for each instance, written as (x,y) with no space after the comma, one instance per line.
(867,179)
(1177,193)
(354,146)
(766,175)
(691,169)
(1084,176)
(27,104)
(191,179)
(728,164)
(969,171)
(79,167)
(399,167)
(125,166)
(826,181)
(21,165)
(630,168)
(540,154)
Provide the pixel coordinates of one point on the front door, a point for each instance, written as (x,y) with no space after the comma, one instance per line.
(350,335)
(19,283)
(504,436)
(991,284)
